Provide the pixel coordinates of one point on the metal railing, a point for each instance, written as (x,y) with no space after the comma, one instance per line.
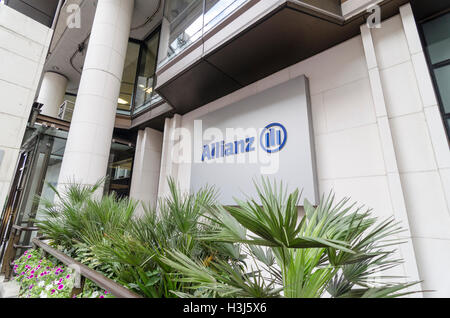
(12,247)
(102,281)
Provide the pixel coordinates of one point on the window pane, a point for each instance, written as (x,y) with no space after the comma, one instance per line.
(437,35)
(443,80)
(119,169)
(146,74)
(128,78)
(186,24)
(448,127)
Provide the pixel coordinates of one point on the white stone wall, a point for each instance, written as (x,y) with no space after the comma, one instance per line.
(146,167)
(379,138)
(421,146)
(23,49)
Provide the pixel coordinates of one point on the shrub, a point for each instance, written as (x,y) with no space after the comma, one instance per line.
(191,246)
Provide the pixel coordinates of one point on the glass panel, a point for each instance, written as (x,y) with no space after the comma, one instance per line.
(119,169)
(128,78)
(71,98)
(66,109)
(146,74)
(437,35)
(45,171)
(443,80)
(186,23)
(448,126)
(188,20)
(217,10)
(53,168)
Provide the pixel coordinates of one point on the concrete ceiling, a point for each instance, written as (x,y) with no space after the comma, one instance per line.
(65,56)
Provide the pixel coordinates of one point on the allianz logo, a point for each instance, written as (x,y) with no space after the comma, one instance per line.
(272,139)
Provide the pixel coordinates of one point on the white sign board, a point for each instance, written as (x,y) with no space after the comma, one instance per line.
(269,134)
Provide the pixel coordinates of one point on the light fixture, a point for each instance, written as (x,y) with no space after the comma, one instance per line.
(122,101)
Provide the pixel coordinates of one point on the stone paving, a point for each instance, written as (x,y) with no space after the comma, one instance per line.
(8,289)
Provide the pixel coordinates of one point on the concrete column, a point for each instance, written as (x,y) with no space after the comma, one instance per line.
(89,142)
(146,167)
(53,90)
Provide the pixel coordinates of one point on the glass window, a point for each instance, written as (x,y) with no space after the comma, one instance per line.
(128,79)
(443,81)
(448,126)
(188,20)
(186,24)
(145,89)
(217,10)
(437,36)
(66,109)
(119,169)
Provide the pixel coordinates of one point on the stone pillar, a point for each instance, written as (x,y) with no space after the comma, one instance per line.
(89,141)
(169,164)
(146,167)
(51,95)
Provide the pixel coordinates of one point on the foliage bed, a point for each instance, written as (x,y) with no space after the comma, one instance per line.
(191,246)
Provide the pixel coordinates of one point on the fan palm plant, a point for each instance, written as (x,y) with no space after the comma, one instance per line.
(78,217)
(334,249)
(175,225)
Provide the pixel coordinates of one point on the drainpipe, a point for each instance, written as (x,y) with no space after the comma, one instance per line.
(61,3)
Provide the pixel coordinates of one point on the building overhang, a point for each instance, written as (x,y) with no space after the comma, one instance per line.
(290,33)
(40,11)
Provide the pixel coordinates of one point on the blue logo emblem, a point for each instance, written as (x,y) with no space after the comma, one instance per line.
(273,138)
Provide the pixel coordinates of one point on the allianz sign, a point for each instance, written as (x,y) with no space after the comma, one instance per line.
(272,139)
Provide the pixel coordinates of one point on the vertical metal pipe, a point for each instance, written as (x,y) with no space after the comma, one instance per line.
(57,13)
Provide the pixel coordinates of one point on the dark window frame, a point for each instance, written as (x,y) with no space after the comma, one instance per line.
(142,43)
(432,68)
(146,106)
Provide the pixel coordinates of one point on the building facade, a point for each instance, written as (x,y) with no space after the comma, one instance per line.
(349,96)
